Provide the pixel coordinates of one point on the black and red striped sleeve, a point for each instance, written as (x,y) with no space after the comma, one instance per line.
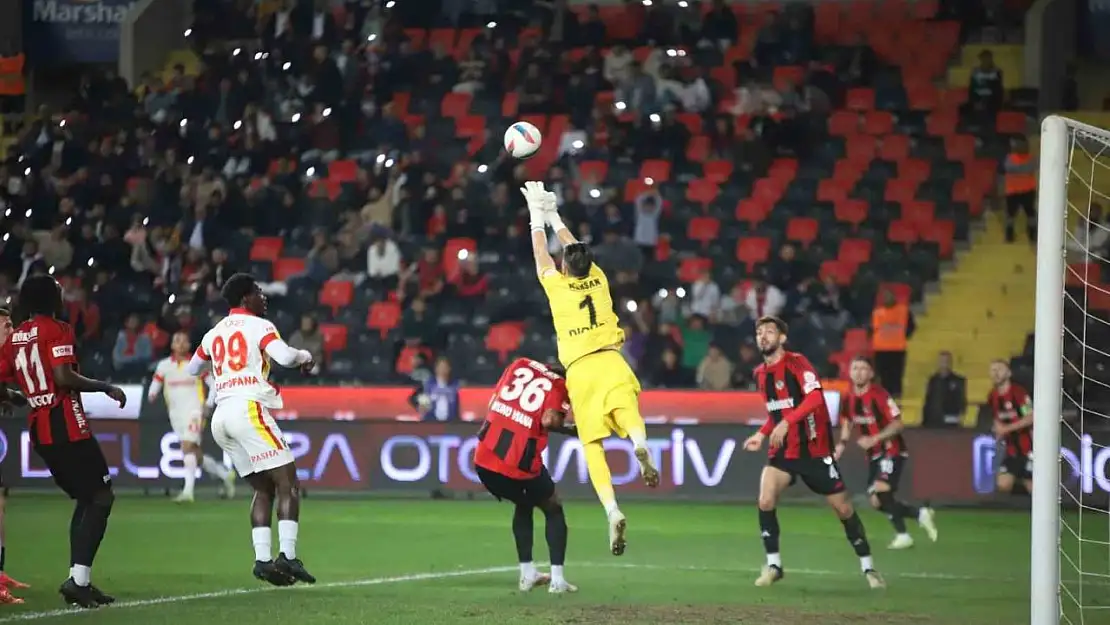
(886,406)
(807,380)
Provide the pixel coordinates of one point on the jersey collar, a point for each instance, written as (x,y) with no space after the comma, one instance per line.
(240,311)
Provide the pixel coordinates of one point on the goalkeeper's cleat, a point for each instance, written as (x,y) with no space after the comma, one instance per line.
(184,498)
(927,519)
(560,586)
(648,471)
(80,596)
(901,541)
(874,580)
(769,575)
(6,597)
(535,580)
(100,597)
(269,573)
(8,582)
(617,527)
(294,568)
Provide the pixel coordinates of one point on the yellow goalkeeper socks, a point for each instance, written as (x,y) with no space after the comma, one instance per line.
(600,476)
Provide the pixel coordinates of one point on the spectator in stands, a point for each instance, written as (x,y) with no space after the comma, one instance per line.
(720,26)
(57,251)
(322,260)
(858,64)
(705,297)
(470,284)
(743,374)
(826,310)
(985,91)
(764,299)
(892,324)
(534,91)
(695,341)
(309,337)
(714,371)
(133,351)
(618,65)
(670,373)
(29,258)
(787,272)
(440,396)
(636,337)
(383,261)
(645,229)
(617,253)
(1090,238)
(418,328)
(638,91)
(945,395)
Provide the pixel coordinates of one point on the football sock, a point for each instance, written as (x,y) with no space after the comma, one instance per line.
(857,536)
(769,531)
(190,462)
(522,532)
(93,525)
(3,557)
(557,572)
(263,549)
(287,538)
(600,476)
(215,468)
(632,423)
(893,510)
(556,533)
(527,569)
(81,574)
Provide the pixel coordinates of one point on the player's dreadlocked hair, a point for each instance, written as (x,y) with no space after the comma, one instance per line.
(578,258)
(40,295)
(236,288)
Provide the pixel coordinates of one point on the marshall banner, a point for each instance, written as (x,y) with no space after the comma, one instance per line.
(73,31)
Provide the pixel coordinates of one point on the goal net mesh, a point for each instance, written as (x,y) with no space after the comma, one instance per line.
(1085,388)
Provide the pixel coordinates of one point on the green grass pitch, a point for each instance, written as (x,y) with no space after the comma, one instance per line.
(444,562)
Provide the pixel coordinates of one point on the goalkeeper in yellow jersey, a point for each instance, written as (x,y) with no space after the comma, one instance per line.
(604,392)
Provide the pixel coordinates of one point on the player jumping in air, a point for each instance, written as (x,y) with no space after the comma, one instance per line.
(185,403)
(870,408)
(528,401)
(799,432)
(41,357)
(604,392)
(1013,425)
(240,349)
(6,582)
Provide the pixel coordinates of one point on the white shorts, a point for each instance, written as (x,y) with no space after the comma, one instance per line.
(247,432)
(188,425)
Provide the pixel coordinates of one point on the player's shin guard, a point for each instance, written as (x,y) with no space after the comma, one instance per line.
(523,532)
(600,476)
(769,531)
(893,510)
(857,536)
(556,532)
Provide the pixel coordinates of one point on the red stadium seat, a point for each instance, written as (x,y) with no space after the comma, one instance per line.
(702,191)
(854,252)
(633,188)
(915,169)
(788,76)
(960,148)
(968,193)
(470,126)
(942,123)
(509,104)
(717,171)
(860,99)
(943,233)
(416,37)
(663,248)
(1011,123)
(504,338)
(783,169)
(894,148)
(593,171)
(336,294)
(918,213)
(383,317)
(335,337)
(406,360)
(658,170)
(851,211)
(697,150)
(769,189)
(861,149)
(833,190)
(802,230)
(267,248)
(922,96)
(451,254)
(903,293)
(840,271)
(902,232)
(878,123)
(703,229)
(900,191)
(400,102)
(692,121)
(443,38)
(343,170)
(753,211)
(844,123)
(455,104)
(753,250)
(690,269)
(857,342)
(285,268)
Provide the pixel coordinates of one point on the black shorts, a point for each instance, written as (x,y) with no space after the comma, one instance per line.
(1019,465)
(79,468)
(820,475)
(885,469)
(533,492)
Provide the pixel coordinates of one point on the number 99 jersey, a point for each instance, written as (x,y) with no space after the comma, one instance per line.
(236,348)
(512,439)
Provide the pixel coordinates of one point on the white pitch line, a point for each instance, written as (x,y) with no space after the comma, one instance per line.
(142,603)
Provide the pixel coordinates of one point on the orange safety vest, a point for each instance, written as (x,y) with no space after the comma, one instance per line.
(11,75)
(890,326)
(1020,183)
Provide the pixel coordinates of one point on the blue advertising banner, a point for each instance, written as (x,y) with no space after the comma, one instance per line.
(74,31)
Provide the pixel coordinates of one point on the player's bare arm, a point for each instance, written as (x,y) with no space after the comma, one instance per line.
(845,436)
(67,378)
(894,428)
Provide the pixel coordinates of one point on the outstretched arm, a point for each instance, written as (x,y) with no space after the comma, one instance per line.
(551,213)
(537,197)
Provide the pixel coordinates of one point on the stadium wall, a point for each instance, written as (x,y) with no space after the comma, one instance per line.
(386,456)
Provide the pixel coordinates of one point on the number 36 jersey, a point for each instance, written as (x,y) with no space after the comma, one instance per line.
(512,439)
(582,311)
(236,347)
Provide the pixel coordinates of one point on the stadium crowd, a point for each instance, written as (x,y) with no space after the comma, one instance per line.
(315,149)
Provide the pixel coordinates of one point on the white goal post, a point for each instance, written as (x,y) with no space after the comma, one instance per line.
(1069,151)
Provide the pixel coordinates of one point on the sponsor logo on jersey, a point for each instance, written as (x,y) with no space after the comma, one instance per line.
(780,404)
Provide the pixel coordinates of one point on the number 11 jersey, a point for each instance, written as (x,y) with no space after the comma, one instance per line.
(236,347)
(582,311)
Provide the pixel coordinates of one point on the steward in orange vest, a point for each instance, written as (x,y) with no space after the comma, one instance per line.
(1020,186)
(892,324)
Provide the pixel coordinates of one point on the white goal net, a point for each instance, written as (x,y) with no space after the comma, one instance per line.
(1070,581)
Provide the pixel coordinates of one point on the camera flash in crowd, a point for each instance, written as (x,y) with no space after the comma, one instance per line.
(655,118)
(146,221)
(258,56)
(6,237)
(372,37)
(464,254)
(680,292)
(236,51)
(238,124)
(296,118)
(28,213)
(389,162)
(671,52)
(683,3)
(327,112)
(483,169)
(188,32)
(62,124)
(286,66)
(51,270)
(311,172)
(620,105)
(27,172)
(649,181)
(7,213)
(91,262)
(69,221)
(183,123)
(172,298)
(631,306)
(491,24)
(578,144)
(595,193)
(189,161)
(663,293)
(380,159)
(390,4)
(647,3)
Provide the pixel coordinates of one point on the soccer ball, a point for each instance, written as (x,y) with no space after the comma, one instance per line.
(522,140)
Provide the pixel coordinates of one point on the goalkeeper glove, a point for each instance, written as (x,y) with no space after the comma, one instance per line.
(534,196)
(551,212)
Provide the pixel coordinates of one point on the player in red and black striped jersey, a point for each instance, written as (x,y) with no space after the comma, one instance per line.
(529,401)
(875,414)
(799,432)
(1012,409)
(40,356)
(14,398)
